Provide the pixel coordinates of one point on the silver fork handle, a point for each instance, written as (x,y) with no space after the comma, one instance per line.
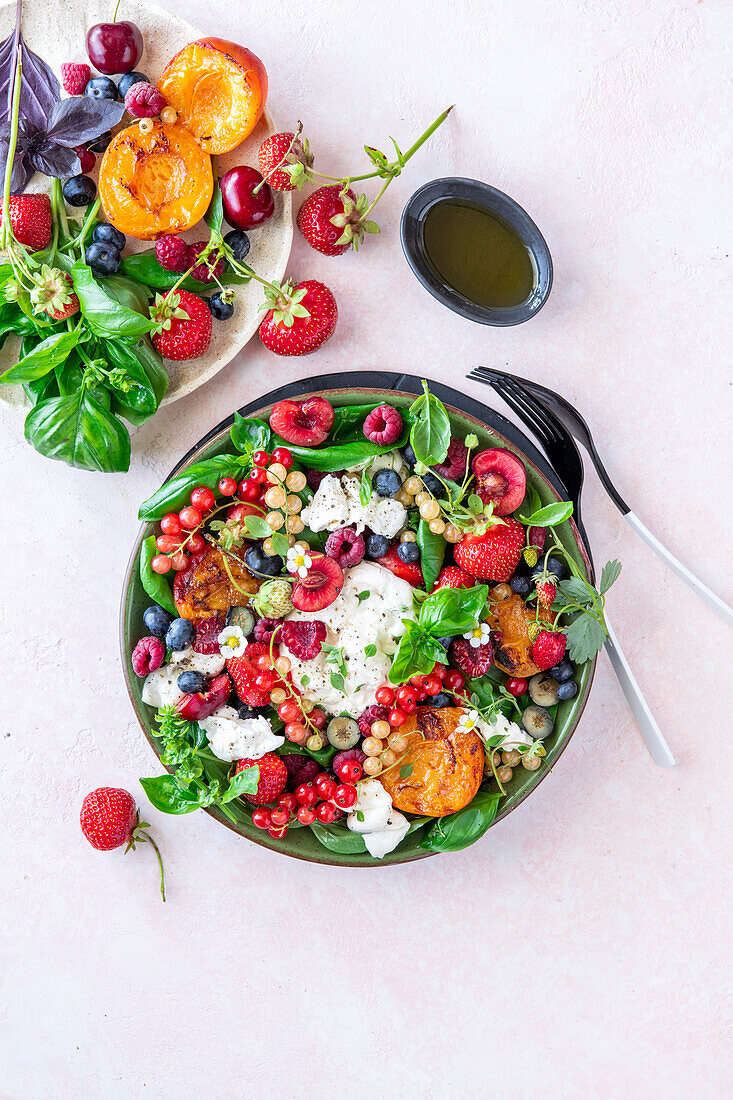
(681,570)
(645,720)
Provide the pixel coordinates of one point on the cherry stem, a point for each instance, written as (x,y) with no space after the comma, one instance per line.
(114,20)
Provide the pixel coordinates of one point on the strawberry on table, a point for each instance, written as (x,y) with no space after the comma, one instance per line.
(493,556)
(332,220)
(109,819)
(301,318)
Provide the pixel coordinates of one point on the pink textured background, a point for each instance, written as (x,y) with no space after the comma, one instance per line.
(580,949)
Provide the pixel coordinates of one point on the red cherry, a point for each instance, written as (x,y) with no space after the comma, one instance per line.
(114,47)
(203,498)
(249,490)
(396,717)
(326,813)
(283,456)
(345,795)
(180,562)
(166,543)
(432,685)
(242,208)
(516,686)
(161,563)
(195,543)
(306,815)
(171,524)
(306,794)
(454,680)
(227,486)
(190,517)
(261,817)
(288,801)
(406,696)
(384,695)
(260,458)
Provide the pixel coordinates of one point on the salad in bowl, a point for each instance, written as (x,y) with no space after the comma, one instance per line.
(359,629)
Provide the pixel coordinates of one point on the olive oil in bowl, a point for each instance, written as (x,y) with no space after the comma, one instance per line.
(477,253)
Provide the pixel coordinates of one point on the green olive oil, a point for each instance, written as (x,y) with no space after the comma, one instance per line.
(478,254)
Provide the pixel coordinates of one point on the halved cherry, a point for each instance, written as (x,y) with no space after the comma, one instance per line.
(305,423)
(501,479)
(320,586)
(204,703)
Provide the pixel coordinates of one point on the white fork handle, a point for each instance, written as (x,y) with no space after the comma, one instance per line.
(681,570)
(645,720)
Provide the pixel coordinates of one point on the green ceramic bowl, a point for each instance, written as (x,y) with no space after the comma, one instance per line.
(301,843)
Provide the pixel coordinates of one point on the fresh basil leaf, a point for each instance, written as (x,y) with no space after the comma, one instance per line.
(361,596)
(609,575)
(104,315)
(145,269)
(453,610)
(166,794)
(456,831)
(365,489)
(39,88)
(140,402)
(69,375)
(250,434)
(50,353)
(80,431)
(324,756)
(175,493)
(127,292)
(348,422)
(215,214)
(585,637)
(155,584)
(432,553)
(244,782)
(338,839)
(531,502)
(550,515)
(41,388)
(257,527)
(573,588)
(339,456)
(430,433)
(416,653)
(337,681)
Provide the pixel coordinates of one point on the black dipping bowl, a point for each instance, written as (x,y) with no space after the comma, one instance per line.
(495,202)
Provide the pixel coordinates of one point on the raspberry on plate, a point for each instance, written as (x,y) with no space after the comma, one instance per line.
(345,547)
(372,714)
(202,271)
(473,660)
(172,253)
(383,425)
(144,101)
(304,639)
(75,77)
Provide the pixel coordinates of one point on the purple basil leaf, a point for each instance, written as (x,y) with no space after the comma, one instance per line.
(79,119)
(39,88)
(54,160)
(22,169)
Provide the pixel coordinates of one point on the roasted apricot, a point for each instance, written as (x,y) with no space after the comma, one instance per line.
(155,183)
(219,90)
(206,588)
(447,764)
(511,618)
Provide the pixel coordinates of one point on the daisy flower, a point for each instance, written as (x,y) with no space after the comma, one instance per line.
(480,635)
(298,561)
(232,642)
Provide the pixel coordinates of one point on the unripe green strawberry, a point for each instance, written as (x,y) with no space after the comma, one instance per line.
(273,600)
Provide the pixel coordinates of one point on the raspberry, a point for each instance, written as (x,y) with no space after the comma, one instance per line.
(207,634)
(344,756)
(345,546)
(87,159)
(144,101)
(473,660)
(454,466)
(383,425)
(372,714)
(273,777)
(548,649)
(265,628)
(304,639)
(315,477)
(148,654)
(301,769)
(203,272)
(172,253)
(75,79)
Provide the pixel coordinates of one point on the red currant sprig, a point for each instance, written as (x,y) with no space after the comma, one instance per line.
(323,799)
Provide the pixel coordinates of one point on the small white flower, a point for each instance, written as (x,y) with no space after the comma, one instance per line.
(468,721)
(232,642)
(298,561)
(480,635)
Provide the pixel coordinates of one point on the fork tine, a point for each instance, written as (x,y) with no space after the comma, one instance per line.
(551,425)
(524,410)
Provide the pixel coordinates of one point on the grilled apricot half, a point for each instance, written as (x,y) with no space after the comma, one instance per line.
(210,586)
(155,183)
(219,90)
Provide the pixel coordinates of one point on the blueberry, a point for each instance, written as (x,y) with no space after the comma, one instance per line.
(556,566)
(442,699)
(80,190)
(433,485)
(109,235)
(192,682)
(180,634)
(408,552)
(100,144)
(563,671)
(220,308)
(445,640)
(157,620)
(126,82)
(238,241)
(258,561)
(409,455)
(376,546)
(387,483)
(567,689)
(103,258)
(101,87)
(245,711)
(521,582)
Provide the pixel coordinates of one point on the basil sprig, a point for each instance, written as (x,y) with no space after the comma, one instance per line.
(447,611)
(430,433)
(456,831)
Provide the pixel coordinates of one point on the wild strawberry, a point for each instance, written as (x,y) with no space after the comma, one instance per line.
(184,325)
(243,671)
(304,639)
(473,660)
(493,556)
(207,635)
(54,293)
(451,576)
(272,781)
(31,220)
(203,271)
(144,100)
(283,158)
(332,220)
(546,592)
(172,253)
(407,571)
(548,649)
(75,78)
(301,318)
(109,819)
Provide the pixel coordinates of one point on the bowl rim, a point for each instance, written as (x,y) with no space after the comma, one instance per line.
(260,404)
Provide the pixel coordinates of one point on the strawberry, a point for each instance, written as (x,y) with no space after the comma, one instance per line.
(54,293)
(243,671)
(184,325)
(451,576)
(548,649)
(546,592)
(75,77)
(110,819)
(273,778)
(301,317)
(332,220)
(407,571)
(494,555)
(282,159)
(31,220)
